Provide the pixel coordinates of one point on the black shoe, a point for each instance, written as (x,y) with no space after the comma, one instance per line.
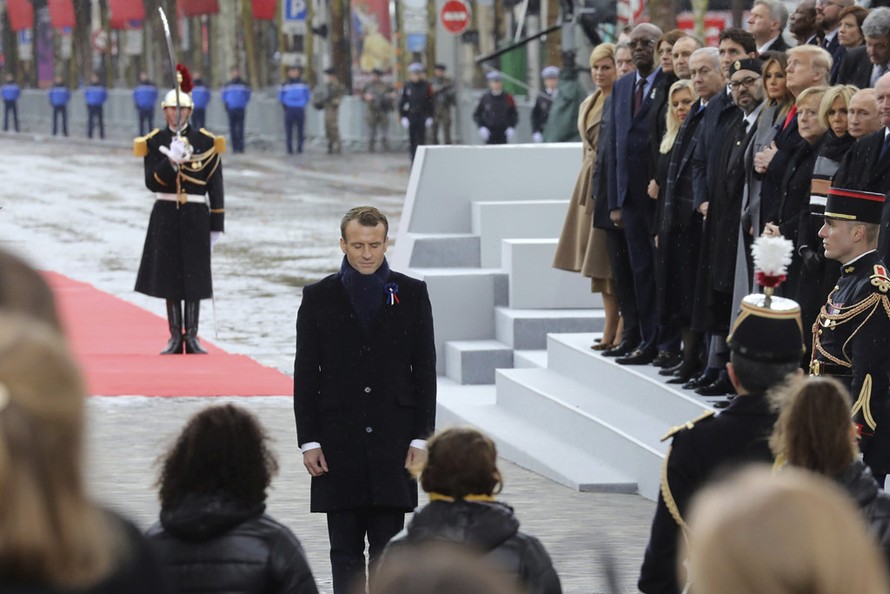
(671,371)
(705,379)
(667,359)
(192,346)
(685,373)
(638,357)
(623,349)
(174,321)
(720,387)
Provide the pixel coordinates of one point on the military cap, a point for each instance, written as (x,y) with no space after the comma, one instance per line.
(752,64)
(494,75)
(185,100)
(768,329)
(330,71)
(415,68)
(550,72)
(853,205)
(377,71)
(441,67)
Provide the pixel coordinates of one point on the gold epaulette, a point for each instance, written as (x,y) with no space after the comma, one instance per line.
(688,424)
(219,142)
(140,145)
(880,279)
(668,497)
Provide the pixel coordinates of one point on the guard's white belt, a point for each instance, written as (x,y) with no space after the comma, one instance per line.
(175,198)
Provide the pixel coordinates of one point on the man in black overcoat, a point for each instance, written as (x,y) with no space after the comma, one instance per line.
(184,171)
(364,394)
(766,347)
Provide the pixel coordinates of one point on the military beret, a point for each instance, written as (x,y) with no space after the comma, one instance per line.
(768,331)
(752,64)
(441,67)
(494,75)
(853,205)
(415,68)
(550,72)
(330,71)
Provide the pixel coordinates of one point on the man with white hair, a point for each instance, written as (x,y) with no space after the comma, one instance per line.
(766,22)
(863,66)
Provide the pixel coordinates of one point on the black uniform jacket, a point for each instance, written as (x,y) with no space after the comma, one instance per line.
(176,257)
(851,340)
(873,502)
(737,435)
(856,68)
(416,101)
(541,110)
(492,529)
(496,112)
(364,394)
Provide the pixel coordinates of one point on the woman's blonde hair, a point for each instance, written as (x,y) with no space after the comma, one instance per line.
(814,430)
(673,124)
(50,533)
(786,533)
(843,91)
(603,50)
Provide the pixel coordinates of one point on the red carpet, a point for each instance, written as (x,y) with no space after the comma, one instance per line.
(117,345)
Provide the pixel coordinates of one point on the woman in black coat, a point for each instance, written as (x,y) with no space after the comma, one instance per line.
(213,534)
(461,478)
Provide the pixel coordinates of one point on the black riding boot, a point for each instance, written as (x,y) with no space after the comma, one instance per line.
(174,319)
(192,346)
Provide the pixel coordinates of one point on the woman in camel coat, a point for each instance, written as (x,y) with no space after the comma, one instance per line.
(582,247)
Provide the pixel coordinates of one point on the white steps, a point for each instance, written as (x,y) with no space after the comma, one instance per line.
(516,219)
(525,329)
(535,284)
(473,362)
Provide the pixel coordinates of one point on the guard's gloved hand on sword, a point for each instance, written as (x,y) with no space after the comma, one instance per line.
(177,152)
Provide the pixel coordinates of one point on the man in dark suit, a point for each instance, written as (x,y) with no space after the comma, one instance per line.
(766,22)
(863,66)
(802,23)
(828,14)
(766,347)
(364,394)
(630,207)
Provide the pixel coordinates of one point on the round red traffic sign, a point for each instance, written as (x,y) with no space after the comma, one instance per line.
(455,16)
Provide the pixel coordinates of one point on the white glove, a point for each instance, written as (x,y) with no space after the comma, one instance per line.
(177,152)
(510,132)
(485,133)
(214,237)
(405,122)
(428,123)
(537,136)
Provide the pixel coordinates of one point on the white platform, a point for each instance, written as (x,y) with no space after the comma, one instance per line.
(515,219)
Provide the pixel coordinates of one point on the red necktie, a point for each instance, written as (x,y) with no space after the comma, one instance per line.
(791,113)
(638,95)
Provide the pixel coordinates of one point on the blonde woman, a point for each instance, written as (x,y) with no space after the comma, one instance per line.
(53,537)
(582,247)
(760,533)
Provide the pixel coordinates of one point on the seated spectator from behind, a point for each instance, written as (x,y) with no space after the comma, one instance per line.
(760,533)
(53,537)
(213,534)
(23,290)
(863,117)
(461,478)
(814,432)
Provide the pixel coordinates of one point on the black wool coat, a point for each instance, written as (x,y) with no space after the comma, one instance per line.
(364,394)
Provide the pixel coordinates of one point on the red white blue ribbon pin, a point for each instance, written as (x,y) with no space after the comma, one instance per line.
(392,293)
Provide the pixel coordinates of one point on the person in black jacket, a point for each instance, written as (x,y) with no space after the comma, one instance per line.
(416,106)
(496,115)
(550,76)
(461,478)
(213,534)
(364,394)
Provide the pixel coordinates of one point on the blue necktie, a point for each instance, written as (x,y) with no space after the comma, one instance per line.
(885,147)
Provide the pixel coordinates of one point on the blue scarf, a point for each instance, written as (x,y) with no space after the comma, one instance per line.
(364,290)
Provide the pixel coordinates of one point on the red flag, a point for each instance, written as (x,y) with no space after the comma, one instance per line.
(192,8)
(264,10)
(121,12)
(21,14)
(61,14)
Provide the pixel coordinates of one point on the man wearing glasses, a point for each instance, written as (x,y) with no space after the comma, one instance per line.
(863,66)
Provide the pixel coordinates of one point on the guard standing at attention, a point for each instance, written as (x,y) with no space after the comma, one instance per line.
(236,96)
(496,115)
(328,97)
(416,106)
(59,96)
(851,336)
(379,96)
(95,96)
(201,99)
(10,92)
(145,94)
(294,96)
(184,170)
(444,98)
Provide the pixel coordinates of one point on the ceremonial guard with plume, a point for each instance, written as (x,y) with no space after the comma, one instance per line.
(766,345)
(184,170)
(851,336)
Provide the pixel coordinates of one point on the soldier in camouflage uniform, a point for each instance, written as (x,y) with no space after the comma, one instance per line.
(443,100)
(380,98)
(328,97)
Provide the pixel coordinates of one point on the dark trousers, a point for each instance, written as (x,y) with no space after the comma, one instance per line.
(622,276)
(60,111)
(641,249)
(416,133)
(199,115)
(294,117)
(347,530)
(497,136)
(146,121)
(236,129)
(10,107)
(94,116)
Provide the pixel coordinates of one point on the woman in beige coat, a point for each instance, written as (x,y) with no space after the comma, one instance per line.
(582,248)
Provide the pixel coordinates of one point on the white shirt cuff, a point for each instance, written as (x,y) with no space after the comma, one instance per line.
(420,444)
(310,445)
